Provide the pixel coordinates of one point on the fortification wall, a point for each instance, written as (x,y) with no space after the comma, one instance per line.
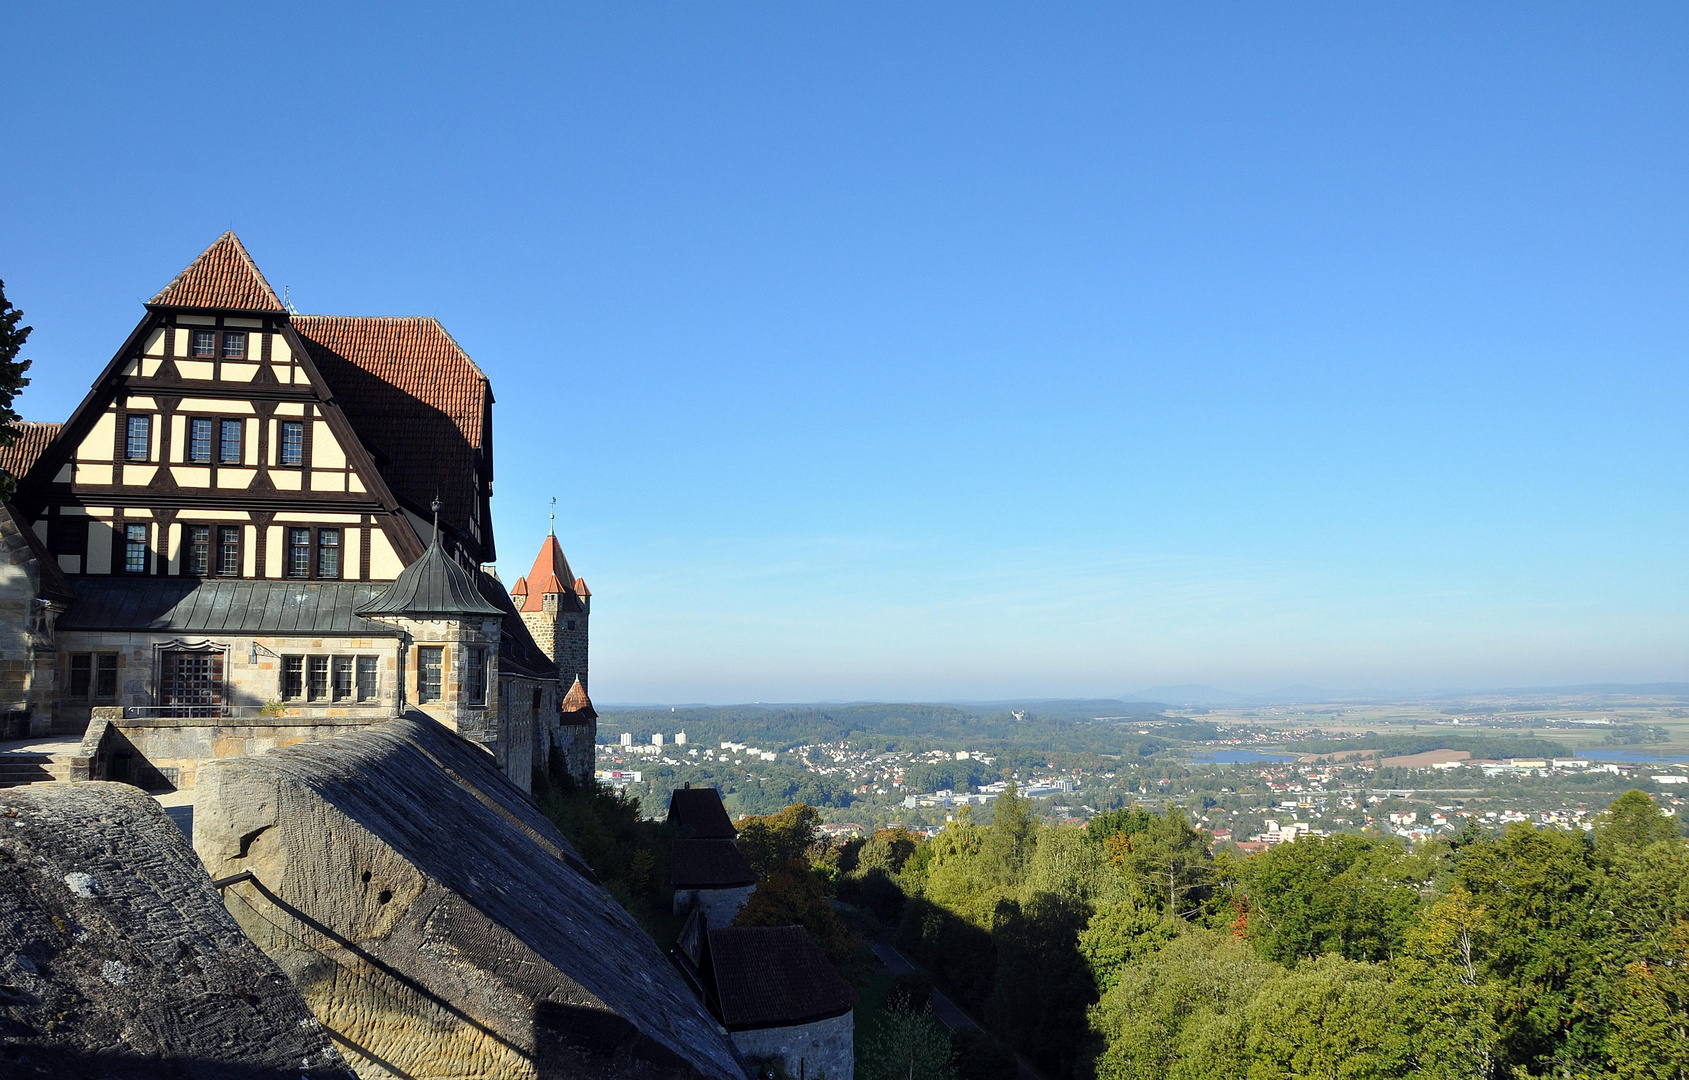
(436,922)
(118,959)
(823,1050)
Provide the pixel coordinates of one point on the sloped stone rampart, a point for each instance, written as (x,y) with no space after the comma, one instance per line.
(436,922)
(118,959)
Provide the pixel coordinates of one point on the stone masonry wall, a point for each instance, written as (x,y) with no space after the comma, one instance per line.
(824,1050)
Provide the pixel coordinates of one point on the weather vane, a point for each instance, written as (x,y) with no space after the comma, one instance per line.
(554,515)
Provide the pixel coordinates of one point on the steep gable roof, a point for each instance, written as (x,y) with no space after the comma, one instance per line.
(416,399)
(16,459)
(698,811)
(550,576)
(223,277)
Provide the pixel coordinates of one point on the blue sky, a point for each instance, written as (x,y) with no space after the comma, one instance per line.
(926,351)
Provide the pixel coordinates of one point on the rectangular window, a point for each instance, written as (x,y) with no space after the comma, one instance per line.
(367,677)
(328,553)
(229,448)
(342,672)
(105,677)
(292,442)
(430,661)
(299,553)
(67,535)
(228,551)
(475,676)
(292,678)
(134,549)
(234,346)
(138,446)
(317,688)
(81,675)
(199,439)
(205,344)
(198,560)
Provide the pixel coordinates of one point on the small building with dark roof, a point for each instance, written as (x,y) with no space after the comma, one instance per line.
(775,992)
(712,876)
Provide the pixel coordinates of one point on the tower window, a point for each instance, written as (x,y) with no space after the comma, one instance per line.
(571,624)
(234,346)
(475,676)
(199,440)
(328,553)
(199,549)
(205,344)
(134,549)
(229,447)
(430,661)
(298,553)
(138,445)
(228,551)
(292,442)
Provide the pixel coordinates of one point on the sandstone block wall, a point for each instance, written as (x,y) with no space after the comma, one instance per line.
(436,923)
(118,959)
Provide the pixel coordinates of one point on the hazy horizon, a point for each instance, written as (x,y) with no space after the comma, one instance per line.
(919,354)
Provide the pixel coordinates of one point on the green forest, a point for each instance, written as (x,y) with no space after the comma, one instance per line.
(1132,949)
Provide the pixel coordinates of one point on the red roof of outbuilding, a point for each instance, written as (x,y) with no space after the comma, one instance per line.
(225,277)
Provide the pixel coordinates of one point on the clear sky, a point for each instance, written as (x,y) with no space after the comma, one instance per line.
(941,350)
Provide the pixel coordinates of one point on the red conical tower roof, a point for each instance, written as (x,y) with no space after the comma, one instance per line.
(225,277)
(576,703)
(550,576)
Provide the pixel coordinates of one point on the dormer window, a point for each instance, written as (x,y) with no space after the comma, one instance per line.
(234,346)
(138,445)
(205,344)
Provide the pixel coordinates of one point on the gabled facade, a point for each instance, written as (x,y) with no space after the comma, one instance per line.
(228,507)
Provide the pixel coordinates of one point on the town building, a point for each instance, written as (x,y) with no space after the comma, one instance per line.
(261,527)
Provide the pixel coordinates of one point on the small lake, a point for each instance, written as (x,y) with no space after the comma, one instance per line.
(1240,757)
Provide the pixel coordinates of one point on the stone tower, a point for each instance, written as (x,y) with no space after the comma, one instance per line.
(555,605)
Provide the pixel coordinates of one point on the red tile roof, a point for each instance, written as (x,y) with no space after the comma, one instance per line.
(576,704)
(520,588)
(17,458)
(550,576)
(223,277)
(417,400)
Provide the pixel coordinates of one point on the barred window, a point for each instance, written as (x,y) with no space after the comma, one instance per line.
(134,549)
(328,553)
(138,446)
(299,553)
(475,676)
(199,439)
(368,674)
(229,448)
(317,688)
(205,344)
(228,551)
(342,681)
(198,560)
(234,346)
(430,661)
(292,442)
(292,678)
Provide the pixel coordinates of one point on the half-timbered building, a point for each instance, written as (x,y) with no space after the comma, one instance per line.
(260,527)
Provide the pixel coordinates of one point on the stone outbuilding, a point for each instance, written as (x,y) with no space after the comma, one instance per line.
(705,866)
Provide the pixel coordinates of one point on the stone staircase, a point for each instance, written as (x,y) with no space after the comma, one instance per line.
(19,767)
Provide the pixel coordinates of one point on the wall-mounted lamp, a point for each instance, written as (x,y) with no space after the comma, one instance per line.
(252,653)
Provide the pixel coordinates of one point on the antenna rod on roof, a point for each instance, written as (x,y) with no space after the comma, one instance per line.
(554,515)
(435,505)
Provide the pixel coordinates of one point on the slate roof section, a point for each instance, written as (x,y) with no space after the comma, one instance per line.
(224,277)
(16,459)
(774,976)
(213,606)
(698,812)
(709,864)
(419,403)
(518,652)
(434,585)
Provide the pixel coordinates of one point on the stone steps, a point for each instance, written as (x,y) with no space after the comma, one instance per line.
(17,769)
